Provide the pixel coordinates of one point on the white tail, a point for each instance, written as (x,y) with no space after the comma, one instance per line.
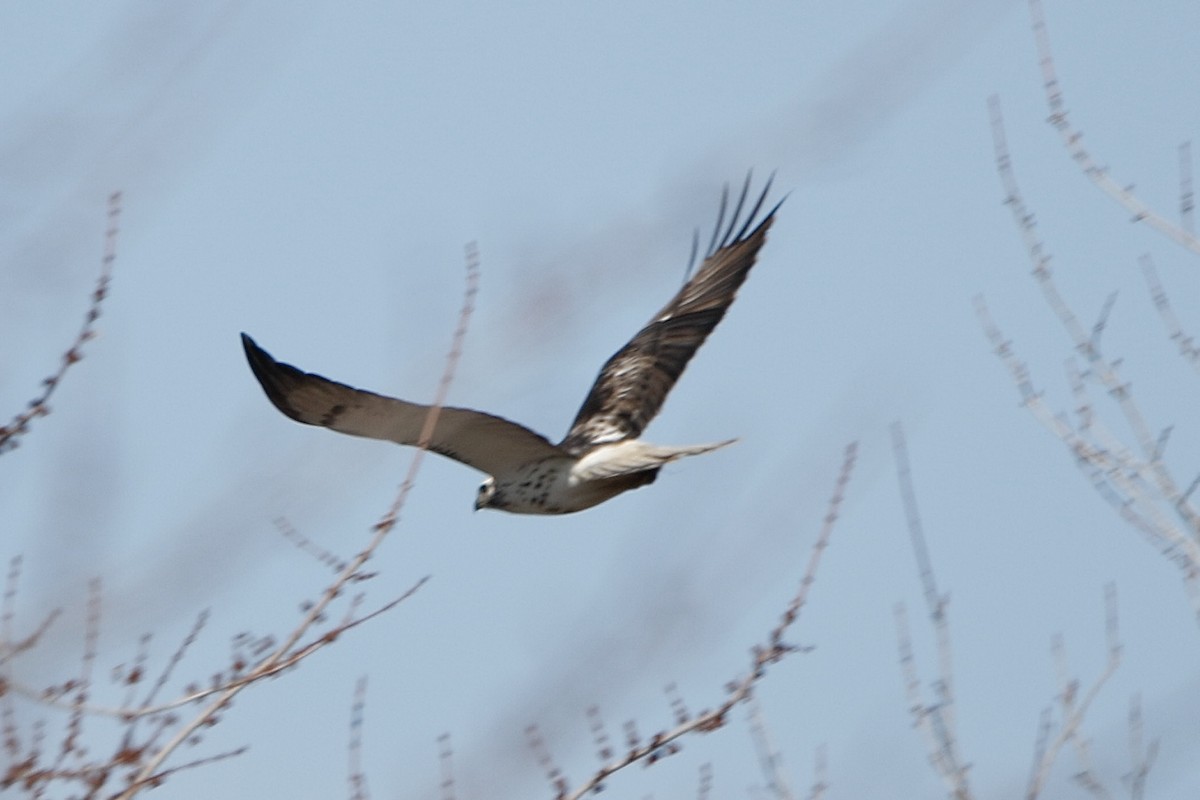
(632,455)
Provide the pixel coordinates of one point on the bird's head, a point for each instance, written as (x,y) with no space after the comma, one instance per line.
(486,496)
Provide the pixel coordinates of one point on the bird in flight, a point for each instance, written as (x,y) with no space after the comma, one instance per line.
(601,455)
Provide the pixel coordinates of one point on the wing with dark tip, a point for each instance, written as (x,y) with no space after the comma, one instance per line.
(633,384)
(488,443)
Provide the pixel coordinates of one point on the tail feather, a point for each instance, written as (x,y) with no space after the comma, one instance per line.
(632,456)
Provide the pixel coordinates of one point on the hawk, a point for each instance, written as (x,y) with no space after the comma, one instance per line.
(601,455)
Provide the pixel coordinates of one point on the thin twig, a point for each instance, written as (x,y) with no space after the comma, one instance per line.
(1187,196)
(770,760)
(446,759)
(764,655)
(1140,756)
(1138,484)
(285,655)
(39,405)
(704,790)
(1115,473)
(1187,345)
(820,774)
(1073,140)
(258,673)
(936,720)
(1074,711)
(357,776)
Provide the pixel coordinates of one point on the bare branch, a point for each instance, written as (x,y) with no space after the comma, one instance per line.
(176,658)
(158,778)
(704,790)
(773,650)
(820,775)
(1187,345)
(935,720)
(770,760)
(306,545)
(39,406)
(604,750)
(1115,473)
(1135,481)
(1073,140)
(10,646)
(1141,757)
(1187,196)
(546,761)
(446,759)
(1074,711)
(357,777)
(290,651)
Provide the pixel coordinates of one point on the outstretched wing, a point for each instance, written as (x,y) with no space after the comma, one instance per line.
(633,384)
(488,443)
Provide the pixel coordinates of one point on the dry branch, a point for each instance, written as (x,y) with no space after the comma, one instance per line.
(39,406)
(772,650)
(1074,711)
(770,760)
(290,651)
(1073,140)
(934,720)
(1134,479)
(155,730)
(357,776)
(1140,756)
(1183,340)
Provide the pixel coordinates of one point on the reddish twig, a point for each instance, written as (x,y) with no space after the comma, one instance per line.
(291,651)
(770,652)
(39,405)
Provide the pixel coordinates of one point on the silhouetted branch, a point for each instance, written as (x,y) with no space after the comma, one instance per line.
(39,405)
(290,651)
(153,731)
(79,760)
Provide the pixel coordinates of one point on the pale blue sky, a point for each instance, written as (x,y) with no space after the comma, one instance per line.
(309,173)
